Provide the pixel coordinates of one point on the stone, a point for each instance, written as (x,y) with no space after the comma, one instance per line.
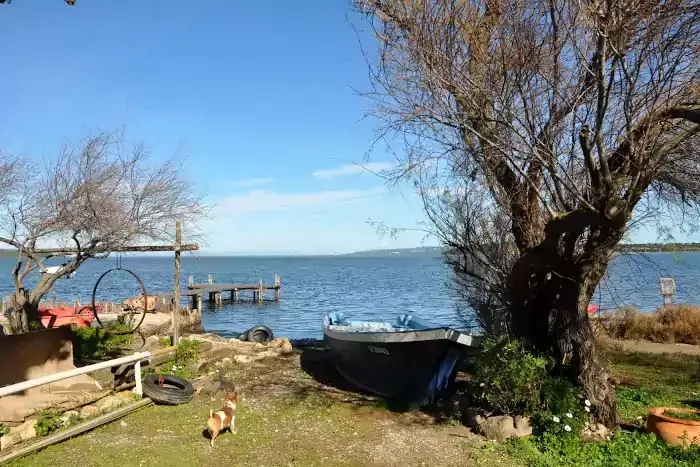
(281,345)
(18,434)
(473,417)
(68,416)
(88,411)
(109,403)
(596,432)
(502,427)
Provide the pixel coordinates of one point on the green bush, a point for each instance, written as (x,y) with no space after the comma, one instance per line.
(98,343)
(48,422)
(3,430)
(508,378)
(186,354)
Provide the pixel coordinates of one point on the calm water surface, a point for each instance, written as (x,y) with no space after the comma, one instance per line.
(374,288)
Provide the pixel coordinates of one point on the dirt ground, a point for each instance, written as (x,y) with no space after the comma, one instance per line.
(293,411)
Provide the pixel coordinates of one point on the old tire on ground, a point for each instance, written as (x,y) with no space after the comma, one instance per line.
(174,391)
(259,333)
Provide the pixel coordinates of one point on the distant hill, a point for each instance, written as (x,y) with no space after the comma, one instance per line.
(400,252)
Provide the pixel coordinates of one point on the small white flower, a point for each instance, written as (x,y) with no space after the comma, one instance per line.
(586,409)
(567,428)
(482,385)
(555,419)
(587,402)
(568,414)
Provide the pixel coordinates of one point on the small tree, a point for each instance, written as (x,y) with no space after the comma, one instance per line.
(96,197)
(537,132)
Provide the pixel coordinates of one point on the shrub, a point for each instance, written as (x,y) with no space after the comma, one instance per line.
(508,378)
(98,343)
(3,430)
(48,422)
(669,324)
(187,353)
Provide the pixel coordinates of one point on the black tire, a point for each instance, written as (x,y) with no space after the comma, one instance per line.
(260,333)
(175,391)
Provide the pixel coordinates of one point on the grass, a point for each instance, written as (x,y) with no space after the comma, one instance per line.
(287,417)
(692,416)
(669,324)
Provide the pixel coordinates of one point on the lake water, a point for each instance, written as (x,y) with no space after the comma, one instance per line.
(374,288)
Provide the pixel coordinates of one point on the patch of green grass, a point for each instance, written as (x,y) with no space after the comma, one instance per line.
(693,416)
(186,354)
(625,449)
(48,422)
(165,342)
(98,343)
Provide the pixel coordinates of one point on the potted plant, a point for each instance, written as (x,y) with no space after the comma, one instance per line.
(675,425)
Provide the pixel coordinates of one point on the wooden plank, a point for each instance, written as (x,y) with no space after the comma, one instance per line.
(76,430)
(176,289)
(204,288)
(126,249)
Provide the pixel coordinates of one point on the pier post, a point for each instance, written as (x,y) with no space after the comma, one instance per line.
(210,279)
(261,291)
(199,302)
(234,295)
(277,287)
(190,280)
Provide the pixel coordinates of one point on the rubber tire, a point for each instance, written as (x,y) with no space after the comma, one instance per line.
(259,333)
(182,393)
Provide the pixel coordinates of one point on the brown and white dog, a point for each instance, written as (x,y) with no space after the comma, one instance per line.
(224,418)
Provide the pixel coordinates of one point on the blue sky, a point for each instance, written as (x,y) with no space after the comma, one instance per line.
(257,97)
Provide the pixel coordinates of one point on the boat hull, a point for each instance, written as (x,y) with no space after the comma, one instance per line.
(411,367)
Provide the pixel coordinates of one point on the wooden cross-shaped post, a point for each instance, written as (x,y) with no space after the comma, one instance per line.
(176,290)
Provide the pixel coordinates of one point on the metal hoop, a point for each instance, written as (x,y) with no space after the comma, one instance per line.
(145,298)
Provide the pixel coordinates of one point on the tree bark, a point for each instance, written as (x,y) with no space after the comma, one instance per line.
(550,289)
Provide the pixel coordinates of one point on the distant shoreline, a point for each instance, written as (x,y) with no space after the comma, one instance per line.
(395,252)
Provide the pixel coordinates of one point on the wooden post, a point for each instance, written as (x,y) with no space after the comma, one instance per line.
(277,289)
(199,302)
(210,279)
(190,280)
(176,290)
(260,291)
(235,295)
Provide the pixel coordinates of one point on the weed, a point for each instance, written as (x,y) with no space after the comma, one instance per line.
(3,430)
(98,343)
(48,422)
(186,354)
(165,342)
(668,324)
(693,416)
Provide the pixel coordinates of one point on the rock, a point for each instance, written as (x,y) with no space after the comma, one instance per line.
(281,345)
(502,427)
(123,424)
(68,416)
(109,403)
(473,417)
(88,411)
(596,432)
(18,434)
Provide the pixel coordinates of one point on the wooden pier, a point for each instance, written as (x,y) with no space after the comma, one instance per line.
(215,292)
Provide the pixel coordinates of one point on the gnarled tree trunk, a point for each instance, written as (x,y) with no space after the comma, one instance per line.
(550,289)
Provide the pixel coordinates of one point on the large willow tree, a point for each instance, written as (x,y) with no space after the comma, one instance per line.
(537,132)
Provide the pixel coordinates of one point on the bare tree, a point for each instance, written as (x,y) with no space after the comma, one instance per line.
(537,132)
(96,197)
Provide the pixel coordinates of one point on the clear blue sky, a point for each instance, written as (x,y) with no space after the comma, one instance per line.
(256,96)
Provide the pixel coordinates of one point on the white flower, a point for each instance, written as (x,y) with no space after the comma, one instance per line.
(568,414)
(567,428)
(586,409)
(555,419)
(482,385)
(587,402)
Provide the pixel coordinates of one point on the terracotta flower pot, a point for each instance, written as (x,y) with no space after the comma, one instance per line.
(673,430)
